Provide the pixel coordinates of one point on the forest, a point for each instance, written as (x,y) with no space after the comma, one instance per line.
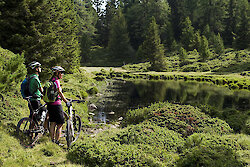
(192,43)
(75,32)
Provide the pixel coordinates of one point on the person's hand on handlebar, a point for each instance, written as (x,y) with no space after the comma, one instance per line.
(68,104)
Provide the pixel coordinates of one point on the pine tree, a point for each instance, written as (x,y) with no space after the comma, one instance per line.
(104,22)
(187,36)
(46,32)
(242,40)
(204,49)
(197,40)
(86,20)
(138,15)
(119,44)
(218,44)
(182,55)
(152,49)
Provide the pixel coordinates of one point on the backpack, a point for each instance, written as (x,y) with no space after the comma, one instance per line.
(25,87)
(50,92)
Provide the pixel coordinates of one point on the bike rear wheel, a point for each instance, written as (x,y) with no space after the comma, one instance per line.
(27,132)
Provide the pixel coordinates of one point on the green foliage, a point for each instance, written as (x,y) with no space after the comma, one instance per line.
(182,55)
(45,30)
(188,35)
(242,38)
(12,70)
(137,145)
(138,15)
(204,49)
(183,119)
(86,21)
(140,67)
(93,91)
(152,49)
(196,67)
(119,44)
(209,150)
(218,44)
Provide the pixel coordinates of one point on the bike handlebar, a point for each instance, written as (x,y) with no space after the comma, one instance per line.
(78,101)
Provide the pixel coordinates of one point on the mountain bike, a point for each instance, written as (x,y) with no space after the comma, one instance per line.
(74,124)
(30,129)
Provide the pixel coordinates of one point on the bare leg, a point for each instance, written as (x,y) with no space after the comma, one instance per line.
(46,122)
(58,131)
(52,130)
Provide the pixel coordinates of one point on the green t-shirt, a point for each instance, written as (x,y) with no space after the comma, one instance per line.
(34,85)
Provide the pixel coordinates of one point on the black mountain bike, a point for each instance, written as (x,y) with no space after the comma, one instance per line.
(74,124)
(30,129)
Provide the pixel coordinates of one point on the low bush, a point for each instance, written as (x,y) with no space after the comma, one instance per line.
(136,145)
(12,70)
(141,67)
(210,150)
(92,91)
(183,119)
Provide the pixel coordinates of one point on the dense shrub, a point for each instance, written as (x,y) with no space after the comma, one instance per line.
(183,119)
(209,151)
(136,145)
(196,67)
(141,67)
(93,90)
(12,70)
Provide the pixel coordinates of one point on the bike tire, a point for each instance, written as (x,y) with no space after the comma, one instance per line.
(69,133)
(27,135)
(77,124)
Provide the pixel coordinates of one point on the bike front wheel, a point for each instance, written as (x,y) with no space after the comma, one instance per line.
(69,133)
(73,129)
(77,125)
(26,132)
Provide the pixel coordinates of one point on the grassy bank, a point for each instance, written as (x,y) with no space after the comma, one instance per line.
(45,153)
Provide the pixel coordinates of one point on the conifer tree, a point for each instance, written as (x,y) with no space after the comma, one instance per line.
(182,55)
(242,40)
(86,20)
(197,40)
(119,45)
(152,49)
(187,36)
(218,44)
(204,49)
(46,31)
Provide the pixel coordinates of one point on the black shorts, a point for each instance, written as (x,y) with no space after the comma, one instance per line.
(56,114)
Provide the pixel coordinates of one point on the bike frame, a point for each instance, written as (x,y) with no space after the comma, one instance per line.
(70,124)
(35,112)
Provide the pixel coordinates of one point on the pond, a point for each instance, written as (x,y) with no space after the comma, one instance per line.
(120,96)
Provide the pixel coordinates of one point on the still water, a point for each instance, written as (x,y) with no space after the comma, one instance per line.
(120,96)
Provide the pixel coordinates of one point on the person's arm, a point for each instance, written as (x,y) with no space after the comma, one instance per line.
(61,95)
(41,89)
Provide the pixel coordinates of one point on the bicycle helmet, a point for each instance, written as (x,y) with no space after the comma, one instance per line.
(58,68)
(34,64)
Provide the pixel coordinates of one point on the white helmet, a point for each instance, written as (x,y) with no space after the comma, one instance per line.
(34,64)
(57,68)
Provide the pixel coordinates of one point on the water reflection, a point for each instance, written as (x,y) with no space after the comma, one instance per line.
(122,96)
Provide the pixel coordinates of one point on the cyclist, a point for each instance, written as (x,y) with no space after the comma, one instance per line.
(35,87)
(55,109)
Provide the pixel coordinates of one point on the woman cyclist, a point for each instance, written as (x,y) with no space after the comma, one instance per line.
(55,109)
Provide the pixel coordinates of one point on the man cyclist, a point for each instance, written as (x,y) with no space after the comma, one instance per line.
(55,109)
(35,87)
